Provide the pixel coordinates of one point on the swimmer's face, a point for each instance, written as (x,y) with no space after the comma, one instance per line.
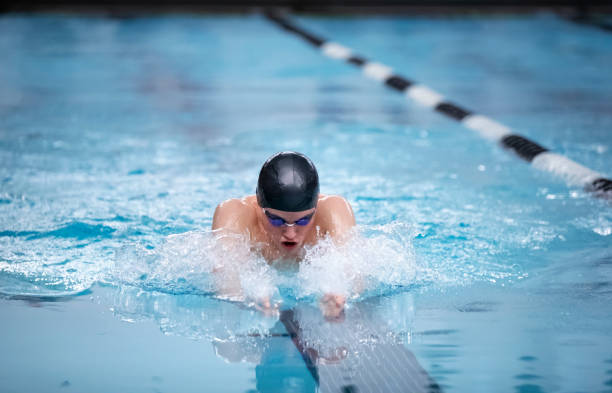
(289,239)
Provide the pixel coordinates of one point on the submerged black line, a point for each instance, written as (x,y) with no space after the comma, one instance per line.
(288,320)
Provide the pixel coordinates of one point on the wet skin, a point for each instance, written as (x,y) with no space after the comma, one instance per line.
(332,216)
(287,240)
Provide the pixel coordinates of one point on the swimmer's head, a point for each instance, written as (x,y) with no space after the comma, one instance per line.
(288,181)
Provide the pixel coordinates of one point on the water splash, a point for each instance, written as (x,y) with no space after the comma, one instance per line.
(376,260)
(33,279)
(373,260)
(199,263)
(180,265)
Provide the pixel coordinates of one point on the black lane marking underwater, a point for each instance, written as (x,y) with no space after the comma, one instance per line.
(524,148)
(384,367)
(349,389)
(288,320)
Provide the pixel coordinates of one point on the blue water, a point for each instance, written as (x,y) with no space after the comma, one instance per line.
(118,137)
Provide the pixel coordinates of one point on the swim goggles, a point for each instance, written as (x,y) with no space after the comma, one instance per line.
(277,221)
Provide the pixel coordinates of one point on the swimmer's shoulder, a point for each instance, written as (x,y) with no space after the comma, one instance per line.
(236,214)
(334,204)
(335,214)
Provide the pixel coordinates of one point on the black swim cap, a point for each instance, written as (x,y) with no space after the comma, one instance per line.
(288,181)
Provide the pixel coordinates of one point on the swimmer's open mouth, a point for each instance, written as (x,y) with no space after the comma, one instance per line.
(289,244)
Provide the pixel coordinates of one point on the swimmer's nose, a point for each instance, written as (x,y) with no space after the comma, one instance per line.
(289,232)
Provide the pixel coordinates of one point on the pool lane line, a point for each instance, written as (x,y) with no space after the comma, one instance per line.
(540,157)
(591,21)
(293,330)
(383,367)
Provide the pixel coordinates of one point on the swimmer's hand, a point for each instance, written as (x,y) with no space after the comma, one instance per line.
(268,308)
(332,307)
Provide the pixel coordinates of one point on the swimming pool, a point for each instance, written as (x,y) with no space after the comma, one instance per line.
(118,137)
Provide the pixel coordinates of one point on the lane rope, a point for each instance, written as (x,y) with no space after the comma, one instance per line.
(592,21)
(540,157)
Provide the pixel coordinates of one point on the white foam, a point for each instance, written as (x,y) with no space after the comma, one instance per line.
(376,262)
(206,262)
(200,263)
(193,264)
(46,267)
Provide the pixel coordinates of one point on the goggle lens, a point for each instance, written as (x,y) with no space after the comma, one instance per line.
(276,221)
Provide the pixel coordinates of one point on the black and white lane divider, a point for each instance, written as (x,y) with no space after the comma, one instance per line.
(540,157)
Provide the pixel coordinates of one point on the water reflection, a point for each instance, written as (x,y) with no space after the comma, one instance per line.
(298,350)
(362,352)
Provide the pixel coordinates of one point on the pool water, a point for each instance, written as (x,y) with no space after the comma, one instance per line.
(118,137)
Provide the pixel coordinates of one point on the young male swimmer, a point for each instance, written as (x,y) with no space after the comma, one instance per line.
(286,214)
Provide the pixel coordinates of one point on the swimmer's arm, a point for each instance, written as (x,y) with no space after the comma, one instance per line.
(231,222)
(339,221)
(231,229)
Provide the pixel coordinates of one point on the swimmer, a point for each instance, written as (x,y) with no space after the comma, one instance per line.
(287,213)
